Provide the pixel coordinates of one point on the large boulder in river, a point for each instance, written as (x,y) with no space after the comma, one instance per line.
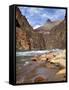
(60,58)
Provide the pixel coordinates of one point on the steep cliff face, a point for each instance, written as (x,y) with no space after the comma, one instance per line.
(22,42)
(26,37)
(22,29)
(57,36)
(54,34)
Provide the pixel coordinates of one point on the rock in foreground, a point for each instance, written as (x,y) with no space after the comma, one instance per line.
(42,68)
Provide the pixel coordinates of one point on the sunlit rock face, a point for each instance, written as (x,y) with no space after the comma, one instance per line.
(22,42)
(57,36)
(54,34)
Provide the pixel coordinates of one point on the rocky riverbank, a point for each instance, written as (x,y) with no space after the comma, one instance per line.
(42,68)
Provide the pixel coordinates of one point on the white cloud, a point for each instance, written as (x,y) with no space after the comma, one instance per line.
(59,14)
(37,26)
(33,11)
(44,15)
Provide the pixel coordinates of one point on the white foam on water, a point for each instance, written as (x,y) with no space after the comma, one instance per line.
(35,53)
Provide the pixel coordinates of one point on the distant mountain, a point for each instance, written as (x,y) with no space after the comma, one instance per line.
(48,21)
(49,25)
(54,34)
(50,35)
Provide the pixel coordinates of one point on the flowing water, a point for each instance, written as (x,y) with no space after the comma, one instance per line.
(28,71)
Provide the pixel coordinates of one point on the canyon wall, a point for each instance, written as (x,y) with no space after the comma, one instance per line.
(29,39)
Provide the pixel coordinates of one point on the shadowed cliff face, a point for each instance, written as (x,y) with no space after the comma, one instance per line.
(26,38)
(47,37)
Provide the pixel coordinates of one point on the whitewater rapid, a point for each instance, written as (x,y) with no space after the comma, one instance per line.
(35,53)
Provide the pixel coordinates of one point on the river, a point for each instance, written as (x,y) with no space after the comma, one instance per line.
(28,71)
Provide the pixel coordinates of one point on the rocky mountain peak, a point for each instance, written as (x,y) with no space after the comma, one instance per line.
(49,20)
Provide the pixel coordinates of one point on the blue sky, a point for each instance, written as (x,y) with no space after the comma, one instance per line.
(38,16)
